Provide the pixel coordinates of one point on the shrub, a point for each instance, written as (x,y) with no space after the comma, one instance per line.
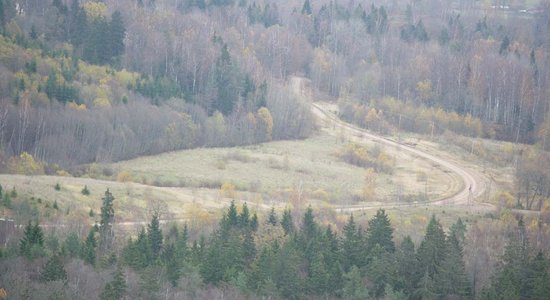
(85,191)
(124,176)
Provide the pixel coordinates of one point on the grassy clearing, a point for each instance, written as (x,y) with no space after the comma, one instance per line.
(133,202)
(310,165)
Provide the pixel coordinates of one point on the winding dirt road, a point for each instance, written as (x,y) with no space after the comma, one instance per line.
(472,188)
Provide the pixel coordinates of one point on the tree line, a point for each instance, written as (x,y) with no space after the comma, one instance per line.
(274,257)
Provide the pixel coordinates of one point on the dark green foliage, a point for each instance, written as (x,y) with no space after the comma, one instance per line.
(410,32)
(232,218)
(172,264)
(87,250)
(353,249)
(380,271)
(137,254)
(227,78)
(7,11)
(254,222)
(116,34)
(116,288)
(106,222)
(249,248)
(244,217)
(13,193)
(408,273)
(452,280)
(539,277)
(380,232)
(306,8)
(287,223)
(309,226)
(287,275)
(85,191)
(61,92)
(354,287)
(103,41)
(272,218)
(376,21)
(2,15)
(149,284)
(518,276)
(157,88)
(426,288)
(154,234)
(318,281)
(32,243)
(432,249)
(53,270)
(6,200)
(71,245)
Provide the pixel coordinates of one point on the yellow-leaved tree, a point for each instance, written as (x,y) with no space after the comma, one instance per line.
(265,125)
(25,164)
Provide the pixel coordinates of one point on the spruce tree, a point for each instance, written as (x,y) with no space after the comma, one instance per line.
(226,80)
(116,34)
(116,288)
(272,219)
(380,232)
(71,245)
(354,287)
(182,251)
(539,278)
(232,215)
(318,281)
(154,234)
(106,234)
(452,280)
(353,248)
(244,217)
(88,248)
(426,288)
(432,249)
(287,223)
(407,267)
(254,222)
(32,242)
(172,264)
(309,226)
(53,270)
(249,248)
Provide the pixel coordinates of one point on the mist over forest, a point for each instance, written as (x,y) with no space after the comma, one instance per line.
(274,149)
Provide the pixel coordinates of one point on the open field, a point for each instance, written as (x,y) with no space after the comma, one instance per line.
(185,185)
(310,164)
(133,203)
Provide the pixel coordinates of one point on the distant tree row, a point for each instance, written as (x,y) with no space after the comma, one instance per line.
(276,258)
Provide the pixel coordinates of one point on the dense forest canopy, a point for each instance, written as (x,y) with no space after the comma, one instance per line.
(287,256)
(482,66)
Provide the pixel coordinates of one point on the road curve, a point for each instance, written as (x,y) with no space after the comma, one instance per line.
(471,190)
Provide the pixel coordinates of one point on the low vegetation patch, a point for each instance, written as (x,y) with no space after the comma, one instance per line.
(360,156)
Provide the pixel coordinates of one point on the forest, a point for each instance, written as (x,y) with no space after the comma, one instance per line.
(208,67)
(273,257)
(90,87)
